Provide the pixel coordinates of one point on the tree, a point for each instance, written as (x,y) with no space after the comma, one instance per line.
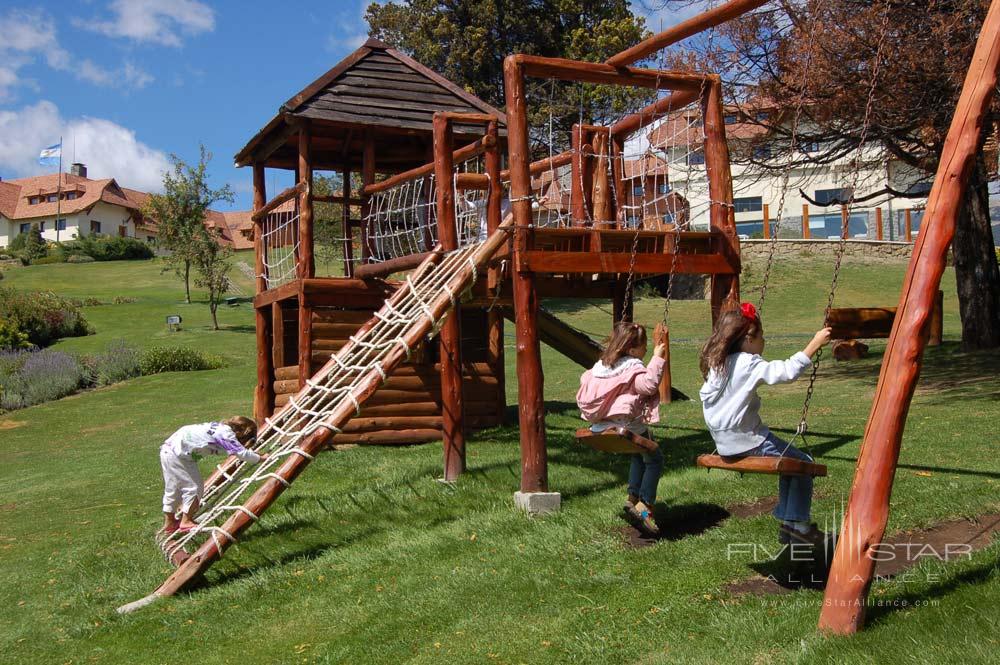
(467,42)
(212,265)
(34,244)
(820,56)
(180,213)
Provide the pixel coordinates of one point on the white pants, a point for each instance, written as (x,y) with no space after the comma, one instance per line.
(181,482)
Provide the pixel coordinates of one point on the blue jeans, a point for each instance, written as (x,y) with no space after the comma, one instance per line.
(644,475)
(794,492)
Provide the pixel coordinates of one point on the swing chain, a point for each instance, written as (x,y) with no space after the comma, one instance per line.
(842,245)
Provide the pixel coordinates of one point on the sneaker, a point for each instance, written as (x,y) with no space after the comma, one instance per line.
(813,536)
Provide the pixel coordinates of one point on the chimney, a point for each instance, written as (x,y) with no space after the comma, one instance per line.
(78,169)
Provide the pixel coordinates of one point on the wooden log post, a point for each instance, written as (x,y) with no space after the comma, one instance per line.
(806,234)
(531,407)
(908,221)
(307,263)
(845,222)
(367,178)
(494,316)
(878,223)
(618,202)
(580,178)
(843,608)
(720,191)
(936,335)
(661,335)
(602,183)
(346,224)
(451,334)
(263,396)
(767,222)
(278,336)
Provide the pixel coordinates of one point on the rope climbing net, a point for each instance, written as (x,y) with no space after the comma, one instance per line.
(402,220)
(652,177)
(421,301)
(280,244)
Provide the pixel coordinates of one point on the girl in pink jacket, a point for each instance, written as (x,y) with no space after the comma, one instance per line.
(619,391)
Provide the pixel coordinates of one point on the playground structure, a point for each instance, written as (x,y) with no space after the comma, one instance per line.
(570,234)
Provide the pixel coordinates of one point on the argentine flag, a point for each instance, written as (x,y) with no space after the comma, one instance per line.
(51,155)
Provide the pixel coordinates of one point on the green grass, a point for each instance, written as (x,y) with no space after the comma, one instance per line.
(368,559)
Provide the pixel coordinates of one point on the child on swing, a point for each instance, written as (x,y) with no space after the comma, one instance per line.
(733,368)
(179,455)
(620,391)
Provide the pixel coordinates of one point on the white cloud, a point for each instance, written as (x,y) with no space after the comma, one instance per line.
(32,33)
(153,21)
(108,149)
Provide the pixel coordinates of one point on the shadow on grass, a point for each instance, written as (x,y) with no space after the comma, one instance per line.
(947,374)
(877,612)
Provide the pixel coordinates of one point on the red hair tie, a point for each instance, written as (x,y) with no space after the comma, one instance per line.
(749,311)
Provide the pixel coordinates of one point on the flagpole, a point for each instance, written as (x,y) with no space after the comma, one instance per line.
(59,190)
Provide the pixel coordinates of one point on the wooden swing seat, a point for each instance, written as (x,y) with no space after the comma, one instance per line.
(785,466)
(616,440)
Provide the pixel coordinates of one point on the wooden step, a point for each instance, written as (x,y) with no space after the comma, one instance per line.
(785,466)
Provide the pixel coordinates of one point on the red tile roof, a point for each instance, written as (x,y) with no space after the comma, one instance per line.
(88,192)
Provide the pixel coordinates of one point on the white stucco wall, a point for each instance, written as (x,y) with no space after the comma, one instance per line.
(110,217)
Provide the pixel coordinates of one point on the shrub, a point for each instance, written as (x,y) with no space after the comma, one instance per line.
(34,245)
(108,248)
(79,258)
(17,244)
(158,359)
(47,260)
(123,300)
(33,377)
(11,337)
(118,362)
(43,316)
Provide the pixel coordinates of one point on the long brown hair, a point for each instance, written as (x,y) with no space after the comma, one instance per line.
(625,336)
(244,428)
(730,329)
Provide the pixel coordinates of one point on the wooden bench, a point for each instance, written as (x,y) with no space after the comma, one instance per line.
(616,440)
(786,466)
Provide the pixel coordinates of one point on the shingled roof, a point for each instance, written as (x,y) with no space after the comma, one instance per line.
(375,89)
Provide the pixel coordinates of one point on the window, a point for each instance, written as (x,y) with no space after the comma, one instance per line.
(762,152)
(826,196)
(638,190)
(748,204)
(663,188)
(697,157)
(41,226)
(730,119)
(668,218)
(761,116)
(70,196)
(95,227)
(809,147)
(123,231)
(922,188)
(34,200)
(52,198)
(60,225)
(24,228)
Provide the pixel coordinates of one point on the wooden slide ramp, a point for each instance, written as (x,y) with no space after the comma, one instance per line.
(239,493)
(575,344)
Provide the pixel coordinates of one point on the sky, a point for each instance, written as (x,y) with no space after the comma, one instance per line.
(126,83)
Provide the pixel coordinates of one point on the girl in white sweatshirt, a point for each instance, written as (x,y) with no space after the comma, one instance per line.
(733,368)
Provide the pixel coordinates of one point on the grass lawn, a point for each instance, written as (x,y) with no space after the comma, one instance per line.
(368,559)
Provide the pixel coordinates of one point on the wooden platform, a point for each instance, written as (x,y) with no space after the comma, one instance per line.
(616,440)
(785,466)
(601,251)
